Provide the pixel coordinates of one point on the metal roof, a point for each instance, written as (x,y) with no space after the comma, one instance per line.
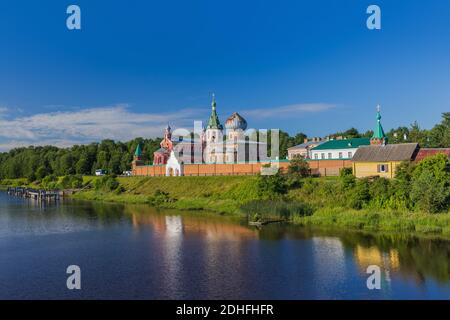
(342,144)
(306,144)
(390,152)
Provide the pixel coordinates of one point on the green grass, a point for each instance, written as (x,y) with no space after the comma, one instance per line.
(238,196)
(386,221)
(224,194)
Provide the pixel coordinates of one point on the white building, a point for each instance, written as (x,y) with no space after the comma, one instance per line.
(338,149)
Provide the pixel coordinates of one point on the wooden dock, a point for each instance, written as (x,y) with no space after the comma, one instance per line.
(40,195)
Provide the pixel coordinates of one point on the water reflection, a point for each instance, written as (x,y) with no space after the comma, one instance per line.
(399,255)
(151,253)
(213,228)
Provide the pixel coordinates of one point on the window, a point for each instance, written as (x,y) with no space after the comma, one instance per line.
(322,155)
(316,156)
(340,155)
(383,168)
(329,155)
(350,154)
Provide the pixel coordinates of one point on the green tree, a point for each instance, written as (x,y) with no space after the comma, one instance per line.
(298,167)
(430,184)
(271,186)
(428,194)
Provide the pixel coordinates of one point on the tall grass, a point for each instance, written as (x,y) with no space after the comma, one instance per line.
(275,210)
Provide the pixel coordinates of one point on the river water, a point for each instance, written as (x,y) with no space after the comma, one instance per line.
(139,252)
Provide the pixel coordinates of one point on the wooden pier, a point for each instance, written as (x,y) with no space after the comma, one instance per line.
(40,195)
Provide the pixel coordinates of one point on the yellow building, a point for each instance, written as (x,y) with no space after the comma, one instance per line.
(382,160)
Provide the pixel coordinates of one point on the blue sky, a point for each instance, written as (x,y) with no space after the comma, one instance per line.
(309,66)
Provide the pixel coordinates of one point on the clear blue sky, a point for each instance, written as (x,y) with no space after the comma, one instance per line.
(309,66)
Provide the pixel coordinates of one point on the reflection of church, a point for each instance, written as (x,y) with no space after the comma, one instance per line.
(215,145)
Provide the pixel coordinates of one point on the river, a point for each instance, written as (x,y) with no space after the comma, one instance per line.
(139,252)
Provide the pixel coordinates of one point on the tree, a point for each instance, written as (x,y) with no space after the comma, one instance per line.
(82,166)
(41,172)
(428,194)
(271,186)
(298,167)
(439,136)
(430,184)
(360,194)
(348,134)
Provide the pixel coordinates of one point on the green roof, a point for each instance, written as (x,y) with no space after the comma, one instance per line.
(343,144)
(214,122)
(138,151)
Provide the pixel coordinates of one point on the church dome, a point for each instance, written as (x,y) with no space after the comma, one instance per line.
(235,121)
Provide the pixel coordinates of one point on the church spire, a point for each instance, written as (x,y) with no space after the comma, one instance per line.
(214,122)
(138,151)
(378,138)
(213,102)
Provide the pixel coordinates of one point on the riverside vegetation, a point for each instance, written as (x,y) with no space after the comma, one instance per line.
(416,201)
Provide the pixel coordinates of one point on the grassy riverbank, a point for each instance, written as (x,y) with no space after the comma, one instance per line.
(224,195)
(315,202)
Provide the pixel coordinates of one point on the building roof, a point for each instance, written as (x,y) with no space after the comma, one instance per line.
(306,144)
(390,152)
(429,152)
(138,151)
(342,144)
(235,122)
(214,122)
(378,133)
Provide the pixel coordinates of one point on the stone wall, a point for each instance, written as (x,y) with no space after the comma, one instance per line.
(318,167)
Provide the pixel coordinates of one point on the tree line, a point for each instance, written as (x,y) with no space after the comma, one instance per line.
(35,163)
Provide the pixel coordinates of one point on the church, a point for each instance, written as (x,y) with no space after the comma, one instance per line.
(218,149)
(216,144)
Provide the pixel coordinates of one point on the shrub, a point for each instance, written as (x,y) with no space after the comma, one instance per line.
(347,178)
(271,186)
(380,191)
(359,195)
(71,182)
(428,193)
(275,209)
(298,167)
(430,184)
(50,182)
(160,197)
(106,183)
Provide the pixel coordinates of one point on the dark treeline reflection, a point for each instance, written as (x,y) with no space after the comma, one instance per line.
(406,255)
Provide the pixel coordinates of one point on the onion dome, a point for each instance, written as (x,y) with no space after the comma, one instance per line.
(236,122)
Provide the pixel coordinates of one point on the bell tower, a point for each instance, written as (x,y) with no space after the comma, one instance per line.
(137,158)
(214,136)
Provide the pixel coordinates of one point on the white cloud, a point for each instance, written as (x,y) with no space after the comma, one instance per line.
(292,110)
(118,122)
(67,128)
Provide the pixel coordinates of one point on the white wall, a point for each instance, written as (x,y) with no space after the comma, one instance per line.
(334,153)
